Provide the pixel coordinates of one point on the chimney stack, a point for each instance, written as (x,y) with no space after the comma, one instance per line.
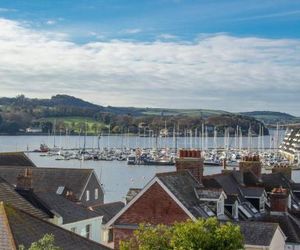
(251,163)
(190,160)
(279,199)
(24,181)
(284,169)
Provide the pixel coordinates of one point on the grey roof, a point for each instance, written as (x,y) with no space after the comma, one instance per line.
(10,196)
(275,180)
(226,181)
(258,233)
(49,179)
(288,223)
(15,159)
(254,192)
(108,210)
(26,228)
(208,193)
(68,210)
(182,184)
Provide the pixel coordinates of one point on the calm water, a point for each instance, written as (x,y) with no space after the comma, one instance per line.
(117,177)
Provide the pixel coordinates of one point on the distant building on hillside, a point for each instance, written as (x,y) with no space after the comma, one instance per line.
(290,147)
(34,130)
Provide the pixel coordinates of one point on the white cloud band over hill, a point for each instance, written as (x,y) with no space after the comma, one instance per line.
(217,71)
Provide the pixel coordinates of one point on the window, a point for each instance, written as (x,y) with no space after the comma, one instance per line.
(87,195)
(96,194)
(73,229)
(88,231)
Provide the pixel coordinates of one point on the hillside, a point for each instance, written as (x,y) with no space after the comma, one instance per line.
(271,117)
(68,113)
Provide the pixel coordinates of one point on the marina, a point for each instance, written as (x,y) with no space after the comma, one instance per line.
(115,173)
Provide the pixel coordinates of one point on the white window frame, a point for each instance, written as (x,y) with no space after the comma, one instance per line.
(96,193)
(87,195)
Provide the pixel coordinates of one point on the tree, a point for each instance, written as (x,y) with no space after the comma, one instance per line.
(204,234)
(45,243)
(149,238)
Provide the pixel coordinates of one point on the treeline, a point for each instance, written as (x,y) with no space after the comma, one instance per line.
(19,113)
(152,125)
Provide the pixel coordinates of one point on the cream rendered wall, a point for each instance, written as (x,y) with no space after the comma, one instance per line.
(96,228)
(278,241)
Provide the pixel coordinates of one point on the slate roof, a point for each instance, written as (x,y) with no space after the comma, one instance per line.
(10,196)
(225,181)
(68,210)
(23,228)
(205,193)
(232,184)
(258,233)
(182,184)
(109,210)
(49,179)
(288,223)
(15,159)
(252,191)
(275,180)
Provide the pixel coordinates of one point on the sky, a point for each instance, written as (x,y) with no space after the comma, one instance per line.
(212,54)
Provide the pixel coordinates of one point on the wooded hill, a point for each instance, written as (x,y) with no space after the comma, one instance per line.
(75,115)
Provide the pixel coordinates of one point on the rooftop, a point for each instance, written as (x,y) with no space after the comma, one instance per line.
(108,210)
(21,228)
(10,196)
(253,232)
(49,179)
(15,159)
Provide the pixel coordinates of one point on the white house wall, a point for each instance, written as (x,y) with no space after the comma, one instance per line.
(96,228)
(278,241)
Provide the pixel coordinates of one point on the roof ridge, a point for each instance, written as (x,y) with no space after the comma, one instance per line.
(6,221)
(107,204)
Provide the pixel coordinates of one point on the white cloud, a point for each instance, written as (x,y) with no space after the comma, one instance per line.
(221,71)
(7,10)
(167,36)
(51,22)
(132,31)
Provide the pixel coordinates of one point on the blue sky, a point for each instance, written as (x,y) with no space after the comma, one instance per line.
(227,54)
(147,20)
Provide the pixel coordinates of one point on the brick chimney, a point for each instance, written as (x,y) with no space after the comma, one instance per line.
(251,163)
(279,199)
(284,169)
(192,161)
(24,181)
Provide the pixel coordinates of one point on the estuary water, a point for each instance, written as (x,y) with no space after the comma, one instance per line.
(116,176)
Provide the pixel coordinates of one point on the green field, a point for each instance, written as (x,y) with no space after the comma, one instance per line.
(188,112)
(76,124)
